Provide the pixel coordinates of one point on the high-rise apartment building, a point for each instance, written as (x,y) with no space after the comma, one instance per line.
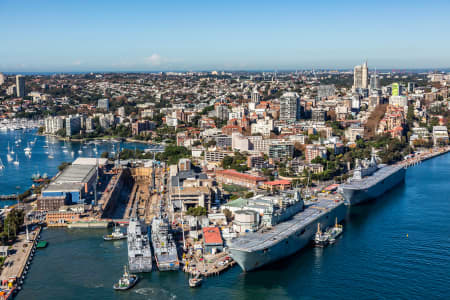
(73,125)
(325,91)
(290,107)
(360,76)
(103,104)
(20,86)
(375,82)
(53,124)
(2,78)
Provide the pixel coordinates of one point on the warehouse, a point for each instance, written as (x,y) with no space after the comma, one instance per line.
(74,182)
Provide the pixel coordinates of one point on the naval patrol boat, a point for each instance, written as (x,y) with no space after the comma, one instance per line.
(287,225)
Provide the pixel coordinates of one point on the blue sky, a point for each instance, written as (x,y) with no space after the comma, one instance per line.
(49,35)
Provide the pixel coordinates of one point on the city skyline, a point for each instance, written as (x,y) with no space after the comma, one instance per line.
(141,36)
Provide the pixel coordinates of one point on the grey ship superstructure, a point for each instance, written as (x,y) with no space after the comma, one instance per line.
(164,246)
(287,225)
(139,251)
(370,181)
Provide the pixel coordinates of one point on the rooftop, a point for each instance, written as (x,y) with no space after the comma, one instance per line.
(90,161)
(211,235)
(63,187)
(76,174)
(277,182)
(235,173)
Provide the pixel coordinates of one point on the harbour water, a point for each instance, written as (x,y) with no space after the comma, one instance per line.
(394,248)
(17,178)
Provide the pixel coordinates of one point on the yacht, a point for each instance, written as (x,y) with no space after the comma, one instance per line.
(16,162)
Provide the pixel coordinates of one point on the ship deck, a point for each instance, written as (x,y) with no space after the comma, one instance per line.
(261,239)
(369,181)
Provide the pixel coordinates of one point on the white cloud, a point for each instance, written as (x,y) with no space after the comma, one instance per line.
(77,63)
(154,59)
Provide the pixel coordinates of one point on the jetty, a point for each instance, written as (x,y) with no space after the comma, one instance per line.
(17,262)
(209,265)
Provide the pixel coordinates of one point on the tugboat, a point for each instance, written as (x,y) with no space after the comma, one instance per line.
(195,281)
(321,238)
(334,232)
(127,281)
(115,235)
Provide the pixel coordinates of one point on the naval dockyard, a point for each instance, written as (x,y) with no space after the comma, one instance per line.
(148,203)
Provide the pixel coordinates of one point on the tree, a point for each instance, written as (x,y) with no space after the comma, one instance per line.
(105,154)
(61,132)
(13,221)
(63,165)
(197,211)
(228,214)
(249,195)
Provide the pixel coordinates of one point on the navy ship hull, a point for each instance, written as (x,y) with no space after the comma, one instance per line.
(299,236)
(355,196)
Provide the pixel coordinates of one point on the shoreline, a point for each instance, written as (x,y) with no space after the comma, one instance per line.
(121,139)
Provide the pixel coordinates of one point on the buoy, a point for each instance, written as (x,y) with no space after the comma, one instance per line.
(406,235)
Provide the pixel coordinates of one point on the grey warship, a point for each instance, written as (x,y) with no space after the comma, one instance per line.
(164,246)
(370,181)
(288,224)
(139,252)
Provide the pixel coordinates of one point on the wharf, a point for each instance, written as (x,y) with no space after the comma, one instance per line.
(8,197)
(209,266)
(425,156)
(16,264)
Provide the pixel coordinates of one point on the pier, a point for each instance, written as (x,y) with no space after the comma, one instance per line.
(17,262)
(209,265)
(8,197)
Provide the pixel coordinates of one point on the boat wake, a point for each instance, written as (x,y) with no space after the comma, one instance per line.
(157,293)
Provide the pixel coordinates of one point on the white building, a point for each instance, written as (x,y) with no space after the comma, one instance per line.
(440,134)
(290,107)
(360,76)
(53,124)
(399,101)
(263,126)
(20,86)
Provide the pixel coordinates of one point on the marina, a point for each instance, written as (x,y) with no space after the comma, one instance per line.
(19,175)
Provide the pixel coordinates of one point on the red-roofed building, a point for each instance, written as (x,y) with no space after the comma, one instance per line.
(234,177)
(279,185)
(212,239)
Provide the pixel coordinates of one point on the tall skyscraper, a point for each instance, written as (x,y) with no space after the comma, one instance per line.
(396,89)
(290,107)
(2,78)
(375,82)
(360,76)
(20,86)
